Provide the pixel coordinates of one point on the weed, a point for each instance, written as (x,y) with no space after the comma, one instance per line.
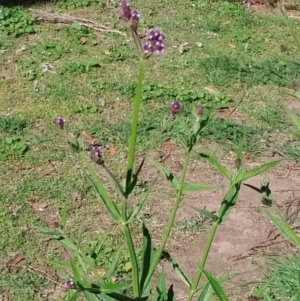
(15,21)
(12,124)
(76,68)
(73,4)
(285,278)
(292,150)
(12,146)
(195,225)
(270,71)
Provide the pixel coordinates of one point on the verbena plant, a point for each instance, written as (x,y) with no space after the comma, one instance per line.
(84,277)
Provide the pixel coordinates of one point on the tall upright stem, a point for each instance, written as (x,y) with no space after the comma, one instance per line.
(167,232)
(134,124)
(203,261)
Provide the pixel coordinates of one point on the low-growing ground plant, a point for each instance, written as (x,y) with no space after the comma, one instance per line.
(84,277)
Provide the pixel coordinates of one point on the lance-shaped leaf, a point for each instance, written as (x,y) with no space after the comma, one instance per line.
(284,228)
(141,203)
(255,171)
(194,187)
(177,269)
(114,182)
(228,202)
(75,296)
(220,167)
(113,287)
(205,213)
(169,176)
(147,259)
(107,201)
(216,286)
(114,264)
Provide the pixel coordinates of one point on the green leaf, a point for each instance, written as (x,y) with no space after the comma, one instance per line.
(2,157)
(107,201)
(177,269)
(228,202)
(221,168)
(114,182)
(114,264)
(92,297)
(197,187)
(206,293)
(255,171)
(75,296)
(75,272)
(216,286)
(80,233)
(113,287)
(205,213)
(167,174)
(98,247)
(161,292)
(147,259)
(284,228)
(295,118)
(64,218)
(142,201)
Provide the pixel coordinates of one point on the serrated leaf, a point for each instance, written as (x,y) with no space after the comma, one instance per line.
(216,287)
(169,176)
(255,171)
(221,168)
(205,213)
(197,187)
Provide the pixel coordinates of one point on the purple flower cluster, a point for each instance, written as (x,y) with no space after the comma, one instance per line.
(130,16)
(155,42)
(59,122)
(96,154)
(175,107)
(70,284)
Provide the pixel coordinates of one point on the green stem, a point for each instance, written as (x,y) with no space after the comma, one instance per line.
(203,261)
(134,263)
(170,223)
(134,125)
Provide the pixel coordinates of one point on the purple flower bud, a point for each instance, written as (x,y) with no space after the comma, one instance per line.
(70,284)
(125,10)
(59,122)
(129,16)
(155,42)
(200,111)
(96,154)
(175,107)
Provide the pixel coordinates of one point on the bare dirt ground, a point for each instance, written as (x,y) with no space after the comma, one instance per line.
(244,242)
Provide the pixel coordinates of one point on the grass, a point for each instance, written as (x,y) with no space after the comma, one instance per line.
(229,49)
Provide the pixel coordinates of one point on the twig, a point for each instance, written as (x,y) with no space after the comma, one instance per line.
(56,18)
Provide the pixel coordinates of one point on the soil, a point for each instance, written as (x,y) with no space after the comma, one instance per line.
(243,243)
